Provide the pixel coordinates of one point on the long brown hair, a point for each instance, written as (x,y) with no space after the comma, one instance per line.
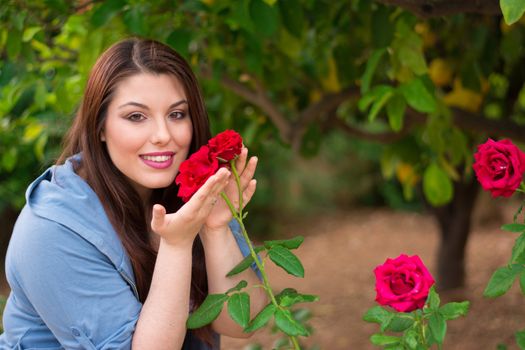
(121,202)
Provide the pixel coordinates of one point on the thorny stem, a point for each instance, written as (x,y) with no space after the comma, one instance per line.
(238,215)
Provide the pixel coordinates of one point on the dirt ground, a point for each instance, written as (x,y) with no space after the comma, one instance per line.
(341,250)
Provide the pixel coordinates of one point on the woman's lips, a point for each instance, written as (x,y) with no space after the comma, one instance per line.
(158,160)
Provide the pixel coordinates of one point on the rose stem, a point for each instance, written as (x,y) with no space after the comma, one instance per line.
(238,215)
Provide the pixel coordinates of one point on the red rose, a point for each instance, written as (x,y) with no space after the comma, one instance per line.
(194,172)
(403,283)
(499,167)
(226,146)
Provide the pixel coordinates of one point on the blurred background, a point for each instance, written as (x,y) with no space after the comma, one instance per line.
(364,115)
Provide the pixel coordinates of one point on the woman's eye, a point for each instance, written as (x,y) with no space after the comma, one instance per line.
(177,115)
(135,117)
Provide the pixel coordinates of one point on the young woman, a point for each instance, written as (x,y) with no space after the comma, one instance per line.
(104,255)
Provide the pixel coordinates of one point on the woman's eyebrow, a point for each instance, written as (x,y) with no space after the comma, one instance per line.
(136,104)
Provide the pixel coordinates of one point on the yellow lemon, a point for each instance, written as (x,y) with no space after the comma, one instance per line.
(429,38)
(406,174)
(440,72)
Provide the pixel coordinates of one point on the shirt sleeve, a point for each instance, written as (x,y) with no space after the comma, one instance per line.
(74,288)
(243,246)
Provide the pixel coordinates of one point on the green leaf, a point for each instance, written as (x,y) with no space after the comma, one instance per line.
(32,131)
(381,339)
(292,243)
(413,58)
(379,102)
(261,319)
(292,299)
(438,327)
(518,250)
(371,66)
(285,259)
(512,10)
(514,228)
(245,263)
(207,312)
(400,323)
(264,17)
(410,339)
(520,339)
(395,109)
(29,33)
(239,308)
(433,299)
(286,323)
(437,186)
(293,16)
(451,311)
(502,280)
(106,11)
(522,282)
(418,97)
(376,314)
(242,284)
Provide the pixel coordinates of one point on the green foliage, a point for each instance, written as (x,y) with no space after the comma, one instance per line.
(512,10)
(207,312)
(419,329)
(239,308)
(502,280)
(297,52)
(285,259)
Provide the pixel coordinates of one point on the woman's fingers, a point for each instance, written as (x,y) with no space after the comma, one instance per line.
(211,189)
(247,175)
(240,162)
(157,217)
(248,192)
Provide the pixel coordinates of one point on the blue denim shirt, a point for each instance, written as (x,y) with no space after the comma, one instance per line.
(72,283)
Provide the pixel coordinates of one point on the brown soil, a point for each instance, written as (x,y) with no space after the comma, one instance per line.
(340,252)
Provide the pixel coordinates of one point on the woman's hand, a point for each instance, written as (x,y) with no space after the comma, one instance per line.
(220,216)
(181,227)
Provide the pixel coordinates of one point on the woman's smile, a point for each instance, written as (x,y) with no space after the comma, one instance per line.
(158,160)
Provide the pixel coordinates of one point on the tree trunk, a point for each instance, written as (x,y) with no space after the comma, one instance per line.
(7,217)
(454,224)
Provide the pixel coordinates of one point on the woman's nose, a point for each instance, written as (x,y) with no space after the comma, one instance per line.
(160,134)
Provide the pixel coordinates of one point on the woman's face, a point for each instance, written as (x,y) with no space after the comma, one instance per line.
(148,130)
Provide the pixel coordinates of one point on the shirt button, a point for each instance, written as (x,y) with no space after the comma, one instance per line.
(76,332)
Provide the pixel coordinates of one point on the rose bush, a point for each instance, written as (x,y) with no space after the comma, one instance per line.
(406,285)
(403,283)
(499,167)
(222,150)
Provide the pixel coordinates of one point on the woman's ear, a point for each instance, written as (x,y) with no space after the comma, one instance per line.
(102,136)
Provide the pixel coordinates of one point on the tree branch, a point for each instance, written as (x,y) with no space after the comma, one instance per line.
(258,98)
(477,123)
(326,105)
(384,138)
(437,8)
